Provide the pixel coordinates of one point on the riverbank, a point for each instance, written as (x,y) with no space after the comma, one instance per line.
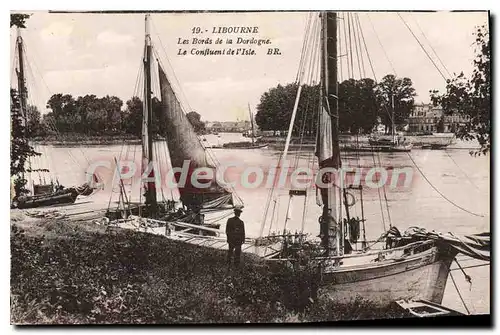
(83,140)
(418,141)
(79,272)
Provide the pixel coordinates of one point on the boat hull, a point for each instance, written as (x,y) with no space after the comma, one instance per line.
(435,146)
(57,198)
(244,146)
(420,277)
(398,276)
(378,148)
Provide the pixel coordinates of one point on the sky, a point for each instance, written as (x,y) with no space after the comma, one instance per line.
(101,54)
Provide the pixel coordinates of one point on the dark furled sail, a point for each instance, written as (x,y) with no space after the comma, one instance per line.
(184,146)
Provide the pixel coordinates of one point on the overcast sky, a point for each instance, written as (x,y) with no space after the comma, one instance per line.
(101,54)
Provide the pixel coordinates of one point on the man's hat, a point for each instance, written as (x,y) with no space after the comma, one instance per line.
(238,209)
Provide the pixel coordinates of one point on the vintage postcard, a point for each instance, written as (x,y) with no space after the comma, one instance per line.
(250,167)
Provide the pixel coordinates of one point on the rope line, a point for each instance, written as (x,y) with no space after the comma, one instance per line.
(356,40)
(465,174)
(382,46)
(366,49)
(307,45)
(459,294)
(379,196)
(350,43)
(357,31)
(435,53)
(349,74)
(439,192)
(421,46)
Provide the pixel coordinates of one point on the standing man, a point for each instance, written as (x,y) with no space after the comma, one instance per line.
(235,231)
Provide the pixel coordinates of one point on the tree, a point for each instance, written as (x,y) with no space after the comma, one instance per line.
(358,105)
(111,107)
(195,120)
(18,20)
(471,97)
(88,115)
(274,111)
(133,115)
(306,119)
(132,120)
(275,108)
(403,93)
(33,117)
(48,124)
(85,107)
(20,150)
(64,112)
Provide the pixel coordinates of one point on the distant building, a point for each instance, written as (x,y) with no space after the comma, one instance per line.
(426,118)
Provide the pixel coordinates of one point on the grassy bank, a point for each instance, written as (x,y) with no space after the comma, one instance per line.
(66,272)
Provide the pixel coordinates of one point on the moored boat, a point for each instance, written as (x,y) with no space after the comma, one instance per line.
(184,145)
(244,145)
(412,265)
(435,146)
(42,193)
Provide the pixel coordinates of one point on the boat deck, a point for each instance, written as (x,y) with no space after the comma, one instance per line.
(214,242)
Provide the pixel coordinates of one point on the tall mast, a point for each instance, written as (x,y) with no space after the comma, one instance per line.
(21,84)
(251,122)
(151,191)
(329,95)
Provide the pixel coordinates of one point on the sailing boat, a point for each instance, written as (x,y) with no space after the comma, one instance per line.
(412,265)
(246,145)
(393,144)
(42,194)
(183,146)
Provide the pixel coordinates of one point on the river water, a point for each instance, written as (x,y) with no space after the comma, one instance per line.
(460,178)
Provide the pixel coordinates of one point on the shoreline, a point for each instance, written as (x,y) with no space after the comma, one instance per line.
(80,272)
(71,141)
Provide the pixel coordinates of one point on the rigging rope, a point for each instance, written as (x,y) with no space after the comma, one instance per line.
(210,154)
(177,82)
(381,45)
(465,174)
(385,195)
(366,49)
(340,55)
(310,17)
(355,36)
(459,294)
(379,196)
(439,192)
(350,43)
(275,214)
(435,53)
(421,46)
(50,121)
(300,74)
(349,74)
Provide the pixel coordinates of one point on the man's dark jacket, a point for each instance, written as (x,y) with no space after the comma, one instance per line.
(235,231)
